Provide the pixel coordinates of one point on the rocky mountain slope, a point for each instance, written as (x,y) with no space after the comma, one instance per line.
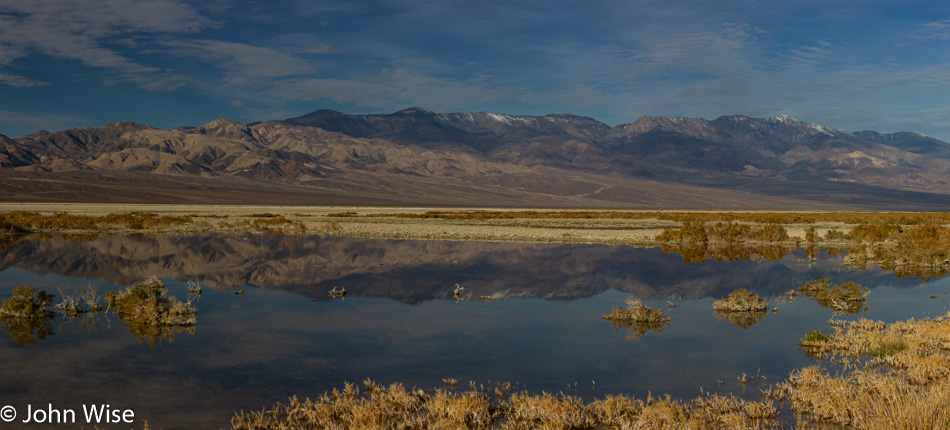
(416,156)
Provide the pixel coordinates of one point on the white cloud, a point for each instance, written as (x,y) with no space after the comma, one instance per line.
(20,81)
(935,30)
(245,64)
(84,30)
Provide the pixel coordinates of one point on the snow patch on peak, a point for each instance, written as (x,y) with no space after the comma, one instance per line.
(512,120)
(786,119)
(415,109)
(497,117)
(782,119)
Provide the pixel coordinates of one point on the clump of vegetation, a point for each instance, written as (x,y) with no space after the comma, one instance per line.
(26,316)
(732,232)
(742,308)
(147,302)
(273,223)
(377,406)
(63,221)
(815,343)
(893,376)
(917,348)
(848,298)
(741,300)
(636,311)
(638,318)
(920,251)
(863,399)
(814,338)
(697,241)
(27,303)
(151,315)
(887,347)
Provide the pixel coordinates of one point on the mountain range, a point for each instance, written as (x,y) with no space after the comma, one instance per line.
(420,157)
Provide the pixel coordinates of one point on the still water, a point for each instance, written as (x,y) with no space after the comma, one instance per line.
(399,322)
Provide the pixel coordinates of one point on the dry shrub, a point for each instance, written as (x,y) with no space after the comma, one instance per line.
(741,300)
(147,302)
(742,308)
(638,318)
(697,241)
(848,298)
(865,399)
(151,315)
(893,376)
(26,316)
(917,348)
(27,302)
(732,232)
(636,311)
(79,301)
(381,407)
(63,221)
(922,251)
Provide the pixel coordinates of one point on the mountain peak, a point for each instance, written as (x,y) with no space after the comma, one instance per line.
(227,128)
(415,110)
(780,119)
(222,122)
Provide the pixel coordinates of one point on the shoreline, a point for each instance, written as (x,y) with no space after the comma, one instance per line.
(408,223)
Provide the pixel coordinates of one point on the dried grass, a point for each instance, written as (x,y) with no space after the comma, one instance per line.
(497,407)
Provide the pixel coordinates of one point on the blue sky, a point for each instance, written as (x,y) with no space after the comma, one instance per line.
(854,65)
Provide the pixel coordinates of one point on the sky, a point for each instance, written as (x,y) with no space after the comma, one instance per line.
(847,64)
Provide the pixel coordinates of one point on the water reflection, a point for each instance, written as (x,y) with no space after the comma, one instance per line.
(401,323)
(744,319)
(27,331)
(419,271)
(701,251)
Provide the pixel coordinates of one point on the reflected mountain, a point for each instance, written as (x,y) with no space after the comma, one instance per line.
(418,271)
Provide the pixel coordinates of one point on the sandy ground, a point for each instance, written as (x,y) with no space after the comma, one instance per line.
(317,220)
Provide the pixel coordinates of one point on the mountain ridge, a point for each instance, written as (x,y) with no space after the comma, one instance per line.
(481,158)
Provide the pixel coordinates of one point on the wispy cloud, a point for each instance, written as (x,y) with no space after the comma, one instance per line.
(244,64)
(935,30)
(84,31)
